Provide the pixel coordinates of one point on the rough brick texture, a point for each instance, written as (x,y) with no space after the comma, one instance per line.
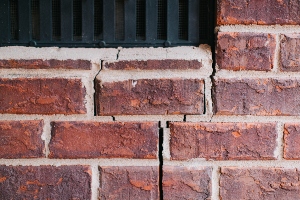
(150,97)
(45,182)
(46,64)
(42,96)
(129,183)
(291,141)
(21,139)
(290,53)
(259,183)
(154,64)
(186,183)
(257,96)
(245,51)
(222,141)
(104,140)
(258,12)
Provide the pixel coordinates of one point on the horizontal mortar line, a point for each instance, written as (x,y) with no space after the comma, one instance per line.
(227,74)
(148,117)
(243,163)
(83,117)
(274,29)
(110,76)
(48,74)
(99,162)
(246,119)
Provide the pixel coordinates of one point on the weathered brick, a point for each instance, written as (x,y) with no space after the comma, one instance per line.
(289,53)
(245,51)
(291,141)
(154,64)
(129,183)
(150,97)
(258,12)
(42,96)
(45,64)
(186,183)
(21,139)
(256,96)
(222,141)
(259,183)
(104,140)
(45,182)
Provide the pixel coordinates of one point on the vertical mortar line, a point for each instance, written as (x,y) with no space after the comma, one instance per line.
(160,157)
(276,62)
(95,184)
(166,144)
(95,86)
(279,149)
(208,97)
(46,136)
(215,183)
(88,83)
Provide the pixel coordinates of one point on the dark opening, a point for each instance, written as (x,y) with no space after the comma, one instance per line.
(56,18)
(183,19)
(204,29)
(35,19)
(162,20)
(14,22)
(140,19)
(119,20)
(77,20)
(98,19)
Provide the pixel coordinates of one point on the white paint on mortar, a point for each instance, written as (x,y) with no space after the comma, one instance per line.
(46,136)
(208,99)
(95,182)
(276,61)
(215,180)
(278,153)
(228,74)
(46,53)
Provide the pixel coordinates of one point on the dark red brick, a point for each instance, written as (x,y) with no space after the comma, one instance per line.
(256,96)
(104,140)
(291,141)
(127,183)
(289,53)
(259,183)
(154,64)
(258,12)
(150,97)
(45,182)
(222,141)
(42,96)
(21,139)
(186,183)
(45,64)
(245,51)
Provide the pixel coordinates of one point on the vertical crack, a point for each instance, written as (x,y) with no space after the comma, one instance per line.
(160,157)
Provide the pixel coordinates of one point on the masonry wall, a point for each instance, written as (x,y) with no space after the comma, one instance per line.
(158,123)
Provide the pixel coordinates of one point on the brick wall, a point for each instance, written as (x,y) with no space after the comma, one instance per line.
(158,123)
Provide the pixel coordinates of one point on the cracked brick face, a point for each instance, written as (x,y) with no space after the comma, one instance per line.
(129,183)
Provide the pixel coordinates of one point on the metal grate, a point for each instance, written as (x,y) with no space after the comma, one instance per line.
(105,23)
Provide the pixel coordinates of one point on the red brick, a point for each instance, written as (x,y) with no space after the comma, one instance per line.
(45,64)
(256,96)
(21,139)
(289,53)
(154,64)
(186,183)
(150,97)
(245,51)
(222,141)
(42,96)
(258,12)
(127,183)
(45,182)
(104,140)
(291,141)
(259,183)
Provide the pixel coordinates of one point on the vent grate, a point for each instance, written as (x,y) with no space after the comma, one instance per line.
(105,23)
